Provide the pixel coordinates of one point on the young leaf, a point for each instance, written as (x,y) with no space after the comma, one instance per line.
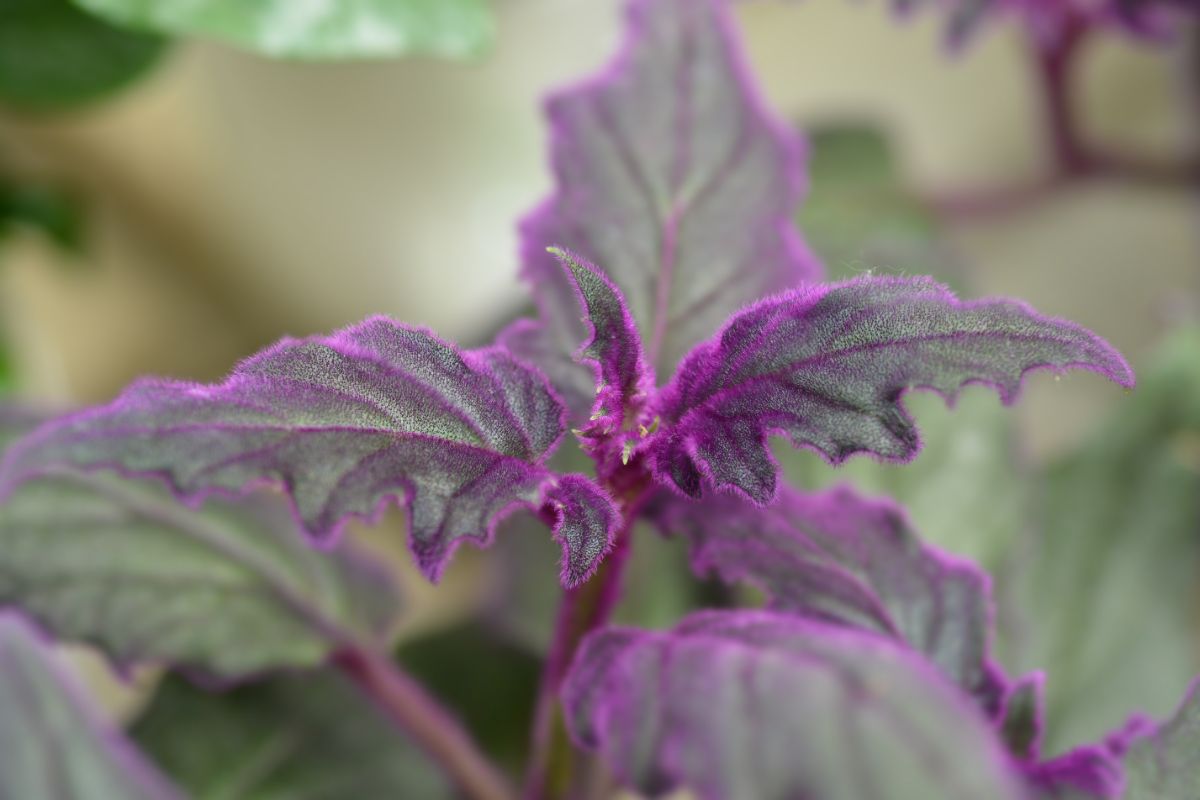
(52,55)
(345,423)
(324,29)
(828,365)
(311,736)
(1164,764)
(673,177)
(839,558)
(614,350)
(766,705)
(1097,596)
(53,744)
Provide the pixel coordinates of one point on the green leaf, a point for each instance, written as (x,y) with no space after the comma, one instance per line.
(859,217)
(53,744)
(496,704)
(54,56)
(308,736)
(316,29)
(1165,764)
(52,211)
(230,589)
(1101,599)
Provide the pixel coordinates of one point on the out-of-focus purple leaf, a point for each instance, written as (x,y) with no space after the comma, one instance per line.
(1164,763)
(772,706)
(229,589)
(827,367)
(53,743)
(837,557)
(675,179)
(614,350)
(344,423)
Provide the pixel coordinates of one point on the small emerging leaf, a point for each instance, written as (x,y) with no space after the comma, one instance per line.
(53,743)
(315,29)
(839,558)
(827,366)
(345,423)
(672,176)
(771,706)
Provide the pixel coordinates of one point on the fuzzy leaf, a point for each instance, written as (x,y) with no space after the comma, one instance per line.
(673,177)
(1164,764)
(310,736)
(54,56)
(1098,592)
(772,706)
(840,558)
(320,29)
(827,367)
(53,743)
(613,346)
(345,423)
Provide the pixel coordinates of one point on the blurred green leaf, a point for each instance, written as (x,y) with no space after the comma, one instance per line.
(53,743)
(305,736)
(1165,764)
(859,217)
(54,56)
(964,492)
(231,588)
(487,682)
(316,29)
(7,378)
(52,211)
(1103,596)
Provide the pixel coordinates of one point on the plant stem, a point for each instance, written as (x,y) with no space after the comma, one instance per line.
(1055,66)
(583,609)
(424,719)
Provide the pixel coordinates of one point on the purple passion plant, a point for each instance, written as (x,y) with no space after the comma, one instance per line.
(682,323)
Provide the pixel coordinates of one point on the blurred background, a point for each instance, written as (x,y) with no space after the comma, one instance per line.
(223,199)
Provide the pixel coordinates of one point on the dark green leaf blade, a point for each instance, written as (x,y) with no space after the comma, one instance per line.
(54,56)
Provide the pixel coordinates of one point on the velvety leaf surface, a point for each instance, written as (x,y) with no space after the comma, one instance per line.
(1165,763)
(675,179)
(315,29)
(310,736)
(345,423)
(52,55)
(772,706)
(827,366)
(53,743)
(838,557)
(1101,594)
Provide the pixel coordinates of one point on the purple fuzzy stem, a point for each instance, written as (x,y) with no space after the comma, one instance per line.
(584,609)
(426,722)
